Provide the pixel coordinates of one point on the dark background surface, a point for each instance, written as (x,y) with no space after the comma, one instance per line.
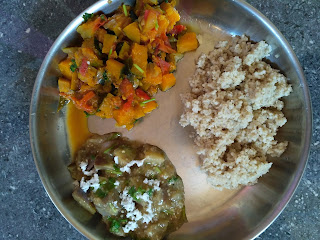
(28,29)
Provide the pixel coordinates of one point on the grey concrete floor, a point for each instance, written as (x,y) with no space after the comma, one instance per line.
(27,30)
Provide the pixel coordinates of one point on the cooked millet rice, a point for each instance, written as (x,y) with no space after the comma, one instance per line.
(235,108)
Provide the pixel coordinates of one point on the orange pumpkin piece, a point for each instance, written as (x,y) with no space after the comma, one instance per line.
(124,52)
(64,67)
(64,85)
(100,34)
(114,69)
(187,42)
(124,117)
(168,81)
(106,107)
(138,112)
(117,22)
(132,32)
(75,82)
(149,107)
(171,14)
(154,74)
(163,24)
(89,76)
(88,29)
(139,55)
(109,42)
(92,57)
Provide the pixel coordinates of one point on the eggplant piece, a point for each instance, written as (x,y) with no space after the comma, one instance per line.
(103,164)
(125,155)
(83,200)
(153,156)
(74,172)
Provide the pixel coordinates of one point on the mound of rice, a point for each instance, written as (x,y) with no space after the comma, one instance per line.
(235,108)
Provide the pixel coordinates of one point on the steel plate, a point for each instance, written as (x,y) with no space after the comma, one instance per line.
(212,214)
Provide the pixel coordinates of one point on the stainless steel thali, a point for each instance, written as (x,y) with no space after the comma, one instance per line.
(228,214)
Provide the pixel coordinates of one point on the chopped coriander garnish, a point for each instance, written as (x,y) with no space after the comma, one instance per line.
(150,192)
(103,18)
(157,170)
(112,207)
(116,170)
(173,180)
(138,120)
(125,10)
(115,135)
(87,114)
(108,185)
(114,225)
(132,191)
(139,68)
(108,149)
(156,25)
(73,66)
(104,78)
(62,103)
(110,52)
(87,16)
(144,102)
(100,193)
(167,211)
(166,1)
(97,45)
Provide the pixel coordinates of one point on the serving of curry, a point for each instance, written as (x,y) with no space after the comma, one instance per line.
(124,59)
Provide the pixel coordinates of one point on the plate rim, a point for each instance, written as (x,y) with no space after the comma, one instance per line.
(291,188)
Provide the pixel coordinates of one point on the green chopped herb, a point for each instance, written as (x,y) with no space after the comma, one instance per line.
(125,10)
(87,16)
(132,191)
(144,102)
(62,103)
(113,208)
(103,18)
(114,225)
(87,114)
(115,135)
(141,190)
(73,66)
(150,192)
(92,157)
(108,149)
(157,170)
(108,185)
(173,180)
(105,77)
(156,25)
(100,193)
(97,45)
(167,211)
(166,1)
(138,120)
(139,68)
(116,170)
(110,52)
